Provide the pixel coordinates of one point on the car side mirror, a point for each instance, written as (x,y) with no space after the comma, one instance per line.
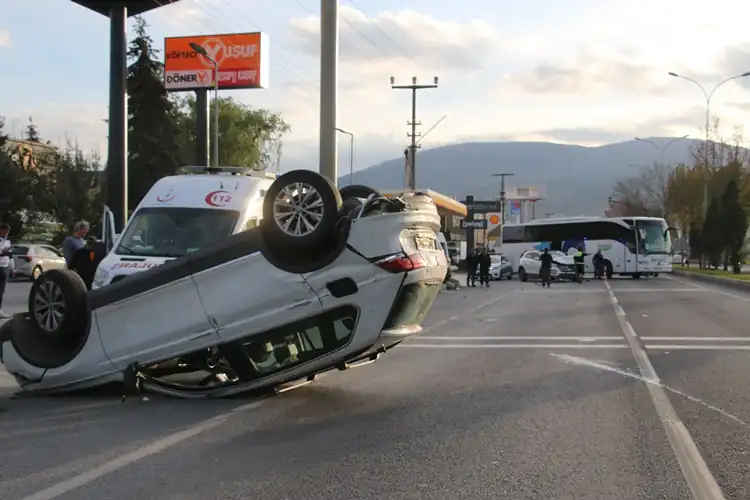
(672,230)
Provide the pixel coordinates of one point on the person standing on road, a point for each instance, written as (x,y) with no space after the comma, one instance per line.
(75,242)
(7,268)
(545,268)
(485,261)
(472,263)
(598,262)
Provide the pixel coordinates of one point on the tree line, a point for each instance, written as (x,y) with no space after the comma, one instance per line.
(58,186)
(716,236)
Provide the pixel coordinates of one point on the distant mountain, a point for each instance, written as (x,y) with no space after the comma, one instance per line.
(577,179)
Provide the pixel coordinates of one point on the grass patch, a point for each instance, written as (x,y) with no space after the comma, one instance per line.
(717,272)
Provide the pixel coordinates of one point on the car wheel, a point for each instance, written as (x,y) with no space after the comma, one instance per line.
(522,274)
(357,191)
(301,211)
(36,272)
(57,304)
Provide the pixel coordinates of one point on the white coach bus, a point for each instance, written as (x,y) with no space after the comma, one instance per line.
(631,246)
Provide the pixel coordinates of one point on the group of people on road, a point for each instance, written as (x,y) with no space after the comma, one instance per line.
(478,260)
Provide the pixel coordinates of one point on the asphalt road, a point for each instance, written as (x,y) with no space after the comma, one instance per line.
(513,392)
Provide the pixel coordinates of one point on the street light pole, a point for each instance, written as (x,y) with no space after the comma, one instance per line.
(663,149)
(351,154)
(708,96)
(215,146)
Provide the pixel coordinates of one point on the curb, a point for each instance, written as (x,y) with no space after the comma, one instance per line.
(715,280)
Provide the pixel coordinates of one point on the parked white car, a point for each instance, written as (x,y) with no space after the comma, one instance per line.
(529,265)
(328,279)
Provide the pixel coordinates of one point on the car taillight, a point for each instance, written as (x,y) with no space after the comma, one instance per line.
(26,258)
(401,263)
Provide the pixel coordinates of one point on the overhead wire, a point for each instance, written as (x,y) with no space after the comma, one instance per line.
(371,21)
(348,42)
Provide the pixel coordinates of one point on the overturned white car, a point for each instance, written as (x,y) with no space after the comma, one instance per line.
(321,283)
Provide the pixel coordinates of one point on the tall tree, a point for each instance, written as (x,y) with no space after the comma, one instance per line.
(153,135)
(712,240)
(735,224)
(21,187)
(32,132)
(75,193)
(247,137)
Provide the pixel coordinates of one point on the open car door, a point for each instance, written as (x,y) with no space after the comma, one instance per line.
(108,229)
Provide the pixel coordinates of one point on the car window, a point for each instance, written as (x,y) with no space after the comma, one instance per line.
(175,231)
(300,342)
(532,255)
(19,250)
(53,252)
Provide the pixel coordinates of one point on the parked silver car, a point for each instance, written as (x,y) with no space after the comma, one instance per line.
(32,259)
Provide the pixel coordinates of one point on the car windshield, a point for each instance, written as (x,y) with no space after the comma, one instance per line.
(175,231)
(651,234)
(496,259)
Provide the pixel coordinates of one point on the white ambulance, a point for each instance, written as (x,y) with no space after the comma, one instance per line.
(181,214)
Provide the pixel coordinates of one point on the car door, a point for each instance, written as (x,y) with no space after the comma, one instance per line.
(247,294)
(108,228)
(533,263)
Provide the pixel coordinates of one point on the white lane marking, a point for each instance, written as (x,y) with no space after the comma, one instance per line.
(528,337)
(561,290)
(710,289)
(59,489)
(694,469)
(514,346)
(700,339)
(696,347)
(470,311)
(626,373)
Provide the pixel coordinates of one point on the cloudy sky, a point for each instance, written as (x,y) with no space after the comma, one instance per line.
(574,71)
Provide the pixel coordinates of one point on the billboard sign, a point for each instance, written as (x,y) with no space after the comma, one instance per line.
(515,207)
(242,60)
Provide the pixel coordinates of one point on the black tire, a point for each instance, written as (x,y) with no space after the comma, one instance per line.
(522,276)
(66,288)
(608,271)
(357,191)
(328,210)
(36,272)
(637,276)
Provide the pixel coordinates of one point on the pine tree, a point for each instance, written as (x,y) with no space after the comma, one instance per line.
(153,137)
(734,225)
(32,132)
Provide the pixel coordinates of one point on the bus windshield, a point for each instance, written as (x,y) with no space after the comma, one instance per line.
(651,234)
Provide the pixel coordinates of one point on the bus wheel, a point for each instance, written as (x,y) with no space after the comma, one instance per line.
(637,276)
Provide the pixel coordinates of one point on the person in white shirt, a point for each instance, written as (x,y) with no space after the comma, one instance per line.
(7,267)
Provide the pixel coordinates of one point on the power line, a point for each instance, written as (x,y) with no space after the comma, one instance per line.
(349,44)
(371,21)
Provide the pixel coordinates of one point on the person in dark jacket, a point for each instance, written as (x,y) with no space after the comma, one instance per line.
(545,268)
(598,261)
(84,262)
(485,261)
(472,262)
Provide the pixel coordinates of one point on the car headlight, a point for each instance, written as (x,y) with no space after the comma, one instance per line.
(100,277)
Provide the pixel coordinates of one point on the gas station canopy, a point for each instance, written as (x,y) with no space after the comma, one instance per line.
(134,7)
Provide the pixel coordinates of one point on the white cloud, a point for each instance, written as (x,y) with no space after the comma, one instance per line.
(5,40)
(401,37)
(594,70)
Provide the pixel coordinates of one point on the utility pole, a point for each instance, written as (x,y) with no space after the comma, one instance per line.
(502,176)
(412,156)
